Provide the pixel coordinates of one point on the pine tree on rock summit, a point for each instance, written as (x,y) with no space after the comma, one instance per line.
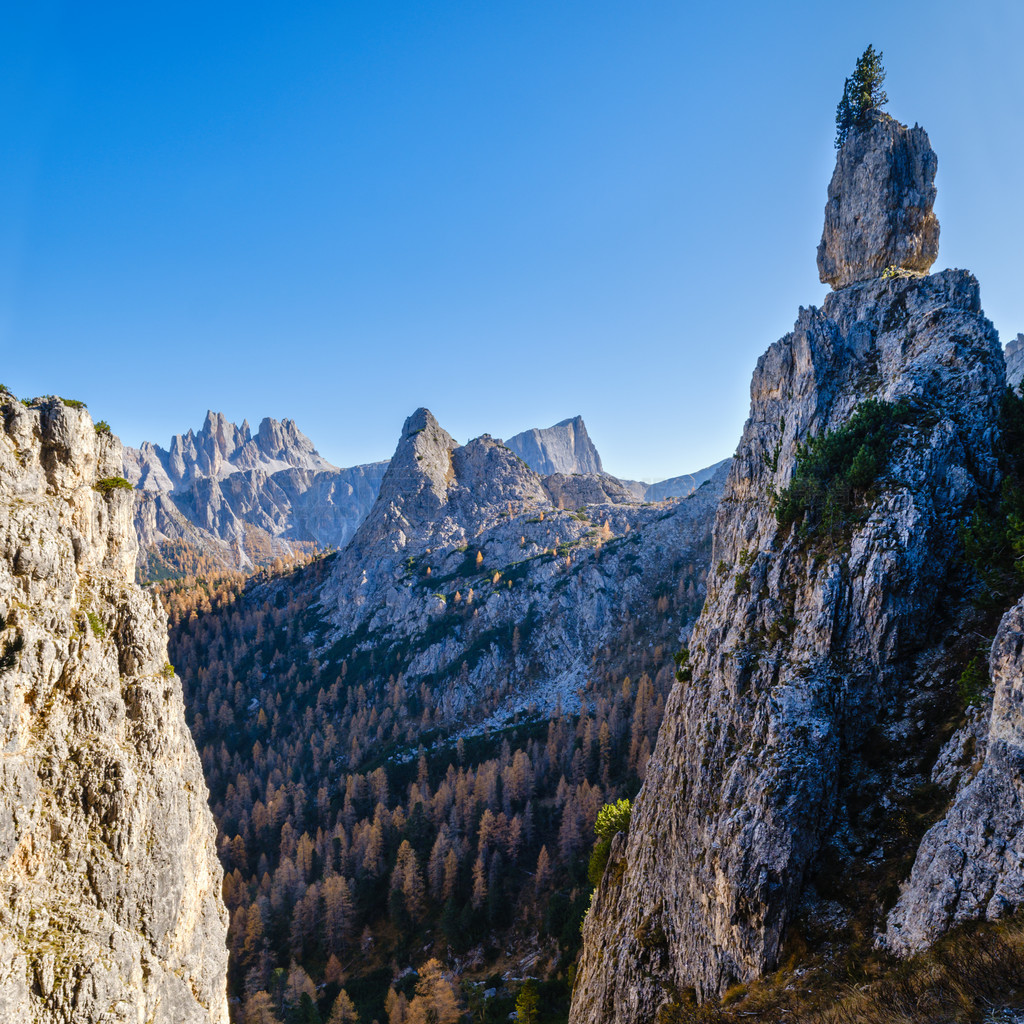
(862,95)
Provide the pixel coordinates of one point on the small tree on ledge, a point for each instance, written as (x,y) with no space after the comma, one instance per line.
(862,95)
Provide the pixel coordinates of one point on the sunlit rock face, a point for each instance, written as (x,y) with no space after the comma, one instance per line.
(110,905)
(879,213)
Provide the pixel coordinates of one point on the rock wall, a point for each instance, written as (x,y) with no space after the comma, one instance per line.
(564,448)
(802,650)
(879,213)
(971,864)
(110,906)
(1014,354)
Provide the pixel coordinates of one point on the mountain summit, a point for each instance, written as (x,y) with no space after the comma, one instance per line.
(879,214)
(564,448)
(836,621)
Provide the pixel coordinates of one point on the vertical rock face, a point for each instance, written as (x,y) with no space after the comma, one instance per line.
(1014,354)
(564,448)
(971,864)
(110,905)
(879,210)
(804,648)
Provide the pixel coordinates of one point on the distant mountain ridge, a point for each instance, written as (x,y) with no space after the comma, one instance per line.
(234,499)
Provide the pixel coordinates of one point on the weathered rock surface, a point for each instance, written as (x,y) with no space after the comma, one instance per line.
(879,211)
(572,491)
(802,650)
(467,574)
(1014,354)
(971,864)
(564,448)
(110,905)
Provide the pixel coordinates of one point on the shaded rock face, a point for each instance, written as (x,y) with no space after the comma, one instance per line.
(802,649)
(468,575)
(1014,355)
(879,210)
(110,906)
(564,448)
(242,499)
(971,864)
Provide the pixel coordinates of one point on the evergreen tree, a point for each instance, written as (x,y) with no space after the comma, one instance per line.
(862,95)
(527,1004)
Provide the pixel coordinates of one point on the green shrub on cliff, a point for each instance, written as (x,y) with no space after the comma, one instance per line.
(837,472)
(611,819)
(994,534)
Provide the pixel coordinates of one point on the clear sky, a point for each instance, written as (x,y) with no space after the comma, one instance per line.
(510,211)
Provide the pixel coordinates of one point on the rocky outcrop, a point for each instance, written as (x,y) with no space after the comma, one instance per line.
(110,905)
(971,864)
(807,646)
(681,486)
(241,499)
(879,213)
(564,448)
(468,576)
(572,491)
(1014,354)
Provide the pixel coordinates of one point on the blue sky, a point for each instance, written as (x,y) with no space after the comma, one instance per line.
(510,212)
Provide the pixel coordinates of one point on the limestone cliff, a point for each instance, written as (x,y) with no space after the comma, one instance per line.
(110,905)
(813,659)
(564,448)
(1014,354)
(879,214)
(241,499)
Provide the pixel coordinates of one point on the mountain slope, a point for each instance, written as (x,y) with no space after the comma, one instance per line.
(239,499)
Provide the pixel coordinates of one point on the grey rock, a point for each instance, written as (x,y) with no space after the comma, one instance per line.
(971,864)
(879,211)
(470,575)
(799,652)
(564,448)
(242,499)
(110,906)
(681,486)
(576,489)
(1014,354)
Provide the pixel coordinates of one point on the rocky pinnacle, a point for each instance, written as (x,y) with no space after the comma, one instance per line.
(879,215)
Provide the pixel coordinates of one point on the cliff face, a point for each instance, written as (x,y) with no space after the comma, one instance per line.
(564,448)
(110,903)
(811,661)
(971,864)
(1014,354)
(879,211)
